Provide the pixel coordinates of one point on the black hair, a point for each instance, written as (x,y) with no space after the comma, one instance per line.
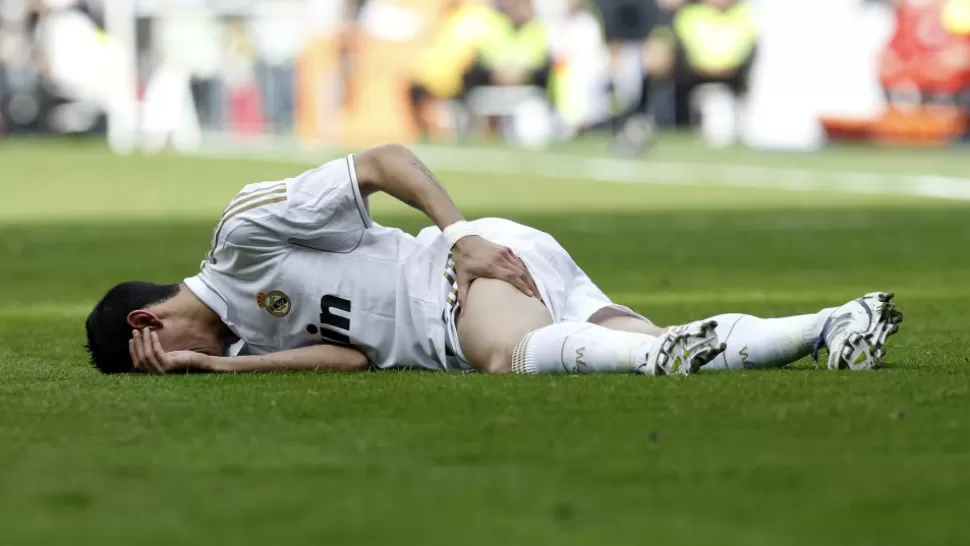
(107,325)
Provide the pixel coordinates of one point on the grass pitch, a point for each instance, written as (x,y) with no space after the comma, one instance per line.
(775,458)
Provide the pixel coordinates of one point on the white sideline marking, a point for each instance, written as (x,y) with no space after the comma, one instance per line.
(626,171)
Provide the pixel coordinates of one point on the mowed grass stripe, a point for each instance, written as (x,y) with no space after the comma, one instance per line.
(667,298)
(106,187)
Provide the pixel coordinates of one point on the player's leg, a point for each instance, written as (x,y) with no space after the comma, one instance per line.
(751,342)
(637,125)
(582,331)
(502,330)
(855,336)
(493,321)
(679,349)
(854,333)
(754,342)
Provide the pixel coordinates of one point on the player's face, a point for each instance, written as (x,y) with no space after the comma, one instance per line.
(186,336)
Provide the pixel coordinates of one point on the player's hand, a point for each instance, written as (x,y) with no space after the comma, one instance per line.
(476,257)
(147,356)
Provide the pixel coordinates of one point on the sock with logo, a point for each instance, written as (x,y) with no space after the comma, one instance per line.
(579,347)
(754,342)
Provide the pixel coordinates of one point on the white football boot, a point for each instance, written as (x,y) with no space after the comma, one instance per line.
(856,333)
(682,350)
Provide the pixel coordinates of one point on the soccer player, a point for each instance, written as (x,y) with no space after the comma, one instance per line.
(299,277)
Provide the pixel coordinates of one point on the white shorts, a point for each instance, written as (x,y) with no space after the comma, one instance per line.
(568,293)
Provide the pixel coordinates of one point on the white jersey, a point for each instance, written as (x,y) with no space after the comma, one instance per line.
(299,262)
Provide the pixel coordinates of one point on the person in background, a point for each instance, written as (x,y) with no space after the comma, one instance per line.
(23,89)
(709,41)
(628,26)
(193,40)
(14,54)
(347,41)
(634,126)
(482,46)
(80,67)
(278,33)
(440,72)
(581,66)
(515,52)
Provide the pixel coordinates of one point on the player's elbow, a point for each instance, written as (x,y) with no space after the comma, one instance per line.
(344,359)
(357,362)
(375,166)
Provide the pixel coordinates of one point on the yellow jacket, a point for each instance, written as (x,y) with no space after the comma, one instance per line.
(715,39)
(526,47)
(456,48)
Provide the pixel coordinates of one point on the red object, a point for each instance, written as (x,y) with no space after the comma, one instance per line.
(919,28)
(927,127)
(924,67)
(246,110)
(923,53)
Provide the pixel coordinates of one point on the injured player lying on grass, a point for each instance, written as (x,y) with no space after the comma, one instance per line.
(299,277)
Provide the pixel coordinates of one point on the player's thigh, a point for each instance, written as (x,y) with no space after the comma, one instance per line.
(627,323)
(494,320)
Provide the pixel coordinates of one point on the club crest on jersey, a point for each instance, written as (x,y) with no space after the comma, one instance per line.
(275,302)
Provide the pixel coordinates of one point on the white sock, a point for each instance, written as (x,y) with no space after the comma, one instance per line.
(579,347)
(754,342)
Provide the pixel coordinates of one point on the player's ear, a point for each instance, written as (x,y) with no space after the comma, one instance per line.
(139,318)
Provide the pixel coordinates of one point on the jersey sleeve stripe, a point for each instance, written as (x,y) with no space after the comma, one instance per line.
(269,200)
(239,201)
(243,200)
(246,193)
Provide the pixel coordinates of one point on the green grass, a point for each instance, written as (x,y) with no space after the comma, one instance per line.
(776,458)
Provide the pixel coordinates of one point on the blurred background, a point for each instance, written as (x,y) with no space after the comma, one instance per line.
(770,157)
(772,74)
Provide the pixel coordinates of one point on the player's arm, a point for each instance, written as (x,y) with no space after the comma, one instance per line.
(306,359)
(396,171)
(149,357)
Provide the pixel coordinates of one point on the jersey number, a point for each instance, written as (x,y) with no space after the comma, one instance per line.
(333,328)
